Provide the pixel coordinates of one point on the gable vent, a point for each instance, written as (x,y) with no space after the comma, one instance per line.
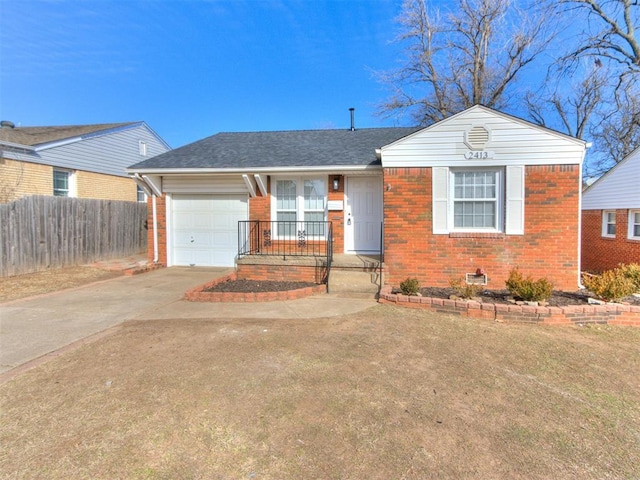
(477,137)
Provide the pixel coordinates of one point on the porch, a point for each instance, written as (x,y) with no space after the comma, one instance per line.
(303,251)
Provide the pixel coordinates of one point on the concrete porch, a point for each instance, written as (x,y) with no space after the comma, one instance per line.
(353,275)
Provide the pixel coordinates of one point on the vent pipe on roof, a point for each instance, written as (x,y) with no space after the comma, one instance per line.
(353,126)
(7,124)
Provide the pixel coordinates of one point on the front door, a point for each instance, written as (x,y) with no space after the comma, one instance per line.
(363,214)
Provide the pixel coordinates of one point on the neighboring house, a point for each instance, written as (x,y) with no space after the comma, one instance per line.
(85,161)
(611,217)
(479,192)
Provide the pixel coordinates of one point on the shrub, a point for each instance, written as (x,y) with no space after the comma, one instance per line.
(464,289)
(410,286)
(611,285)
(632,271)
(528,289)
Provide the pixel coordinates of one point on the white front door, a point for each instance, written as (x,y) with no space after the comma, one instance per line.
(363,214)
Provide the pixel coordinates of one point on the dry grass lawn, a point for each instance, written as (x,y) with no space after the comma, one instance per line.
(390,393)
(27,285)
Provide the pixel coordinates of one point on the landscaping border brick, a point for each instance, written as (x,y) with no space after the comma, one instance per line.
(197,294)
(609,314)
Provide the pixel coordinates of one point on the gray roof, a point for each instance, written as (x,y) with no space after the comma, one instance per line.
(296,148)
(34,136)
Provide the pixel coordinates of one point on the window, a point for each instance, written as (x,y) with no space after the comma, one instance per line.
(63,183)
(299,200)
(609,223)
(143,148)
(634,224)
(476,199)
(141,196)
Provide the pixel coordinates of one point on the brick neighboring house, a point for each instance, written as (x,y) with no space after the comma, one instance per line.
(480,190)
(85,161)
(611,217)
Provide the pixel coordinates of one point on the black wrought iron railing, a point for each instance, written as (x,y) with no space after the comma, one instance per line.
(285,239)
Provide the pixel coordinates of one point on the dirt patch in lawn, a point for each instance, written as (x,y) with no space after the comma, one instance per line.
(22,286)
(387,393)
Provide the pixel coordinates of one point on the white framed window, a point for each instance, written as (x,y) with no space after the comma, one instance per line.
(142,146)
(141,197)
(609,223)
(63,183)
(634,225)
(476,199)
(296,200)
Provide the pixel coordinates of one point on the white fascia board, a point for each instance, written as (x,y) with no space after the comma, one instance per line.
(58,143)
(79,138)
(17,146)
(155,184)
(158,137)
(142,184)
(250,186)
(266,170)
(481,164)
(262,185)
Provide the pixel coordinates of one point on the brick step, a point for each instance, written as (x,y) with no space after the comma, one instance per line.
(354,282)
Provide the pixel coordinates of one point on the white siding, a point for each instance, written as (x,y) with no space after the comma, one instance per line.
(617,189)
(511,141)
(110,153)
(203,184)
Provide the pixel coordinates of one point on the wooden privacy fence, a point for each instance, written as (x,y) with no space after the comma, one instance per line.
(38,232)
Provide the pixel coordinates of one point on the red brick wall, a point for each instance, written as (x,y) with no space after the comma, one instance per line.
(161,216)
(600,253)
(337,217)
(549,247)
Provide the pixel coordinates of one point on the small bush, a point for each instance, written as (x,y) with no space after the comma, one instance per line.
(464,289)
(611,285)
(528,289)
(410,286)
(632,271)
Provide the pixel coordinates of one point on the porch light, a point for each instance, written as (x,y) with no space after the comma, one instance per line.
(336,183)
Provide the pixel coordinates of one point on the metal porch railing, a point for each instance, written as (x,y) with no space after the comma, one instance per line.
(285,239)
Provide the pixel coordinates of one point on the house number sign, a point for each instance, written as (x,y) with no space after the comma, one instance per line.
(478,154)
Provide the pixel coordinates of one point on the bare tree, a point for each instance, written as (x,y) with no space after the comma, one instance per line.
(609,33)
(470,55)
(607,39)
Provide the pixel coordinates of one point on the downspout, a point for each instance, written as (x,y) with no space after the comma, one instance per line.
(155,229)
(580,285)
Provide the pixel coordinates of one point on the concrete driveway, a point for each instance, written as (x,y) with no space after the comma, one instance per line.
(37,326)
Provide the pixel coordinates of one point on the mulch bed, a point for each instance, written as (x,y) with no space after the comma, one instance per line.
(558,298)
(248,286)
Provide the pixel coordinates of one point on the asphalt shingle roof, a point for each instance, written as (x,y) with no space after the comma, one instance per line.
(34,136)
(296,148)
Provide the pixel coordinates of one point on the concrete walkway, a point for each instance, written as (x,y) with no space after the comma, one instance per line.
(37,326)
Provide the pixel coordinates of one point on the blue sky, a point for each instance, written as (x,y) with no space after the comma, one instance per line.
(194,68)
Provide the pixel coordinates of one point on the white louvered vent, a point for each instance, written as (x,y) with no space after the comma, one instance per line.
(477,137)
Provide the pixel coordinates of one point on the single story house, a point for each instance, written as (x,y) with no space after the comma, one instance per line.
(469,197)
(611,217)
(84,161)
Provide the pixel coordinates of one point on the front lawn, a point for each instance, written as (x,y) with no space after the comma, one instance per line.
(389,393)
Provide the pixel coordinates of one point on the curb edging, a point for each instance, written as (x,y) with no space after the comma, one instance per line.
(609,314)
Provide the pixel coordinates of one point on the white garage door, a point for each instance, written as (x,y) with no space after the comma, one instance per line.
(205,229)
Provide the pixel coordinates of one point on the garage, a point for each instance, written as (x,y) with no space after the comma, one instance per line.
(204,229)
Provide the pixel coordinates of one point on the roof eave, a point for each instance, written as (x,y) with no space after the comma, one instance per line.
(191,171)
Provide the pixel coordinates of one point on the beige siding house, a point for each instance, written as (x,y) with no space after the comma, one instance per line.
(84,161)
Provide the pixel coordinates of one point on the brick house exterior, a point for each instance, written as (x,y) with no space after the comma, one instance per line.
(479,191)
(84,161)
(611,217)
